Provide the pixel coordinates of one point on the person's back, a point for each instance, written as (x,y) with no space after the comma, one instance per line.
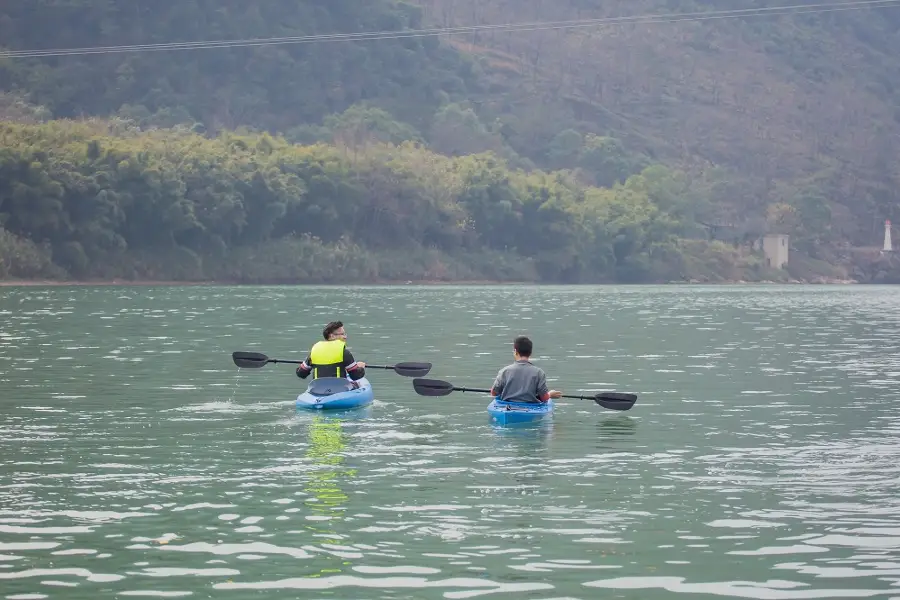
(522,381)
(326,358)
(330,357)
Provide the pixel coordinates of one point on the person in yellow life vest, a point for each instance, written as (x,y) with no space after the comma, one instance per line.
(330,357)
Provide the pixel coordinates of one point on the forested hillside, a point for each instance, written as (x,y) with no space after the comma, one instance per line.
(274,87)
(579,154)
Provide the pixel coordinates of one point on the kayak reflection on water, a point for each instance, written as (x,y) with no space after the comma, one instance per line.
(529,443)
(326,499)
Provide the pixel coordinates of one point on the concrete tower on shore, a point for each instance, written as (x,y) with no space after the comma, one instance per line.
(775,248)
(887,237)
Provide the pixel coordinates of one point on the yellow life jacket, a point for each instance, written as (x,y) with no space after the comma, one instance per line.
(327,358)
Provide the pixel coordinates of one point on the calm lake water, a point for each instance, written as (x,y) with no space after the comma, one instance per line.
(760,461)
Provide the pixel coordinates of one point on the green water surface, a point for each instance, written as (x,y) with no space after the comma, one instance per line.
(760,461)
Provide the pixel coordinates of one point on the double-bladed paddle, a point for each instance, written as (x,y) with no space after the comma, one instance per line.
(256,360)
(610,400)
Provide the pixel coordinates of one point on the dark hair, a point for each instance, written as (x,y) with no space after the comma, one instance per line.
(523,346)
(331,328)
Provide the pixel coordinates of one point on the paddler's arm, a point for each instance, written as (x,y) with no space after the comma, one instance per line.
(356,370)
(304,369)
(499,382)
(543,393)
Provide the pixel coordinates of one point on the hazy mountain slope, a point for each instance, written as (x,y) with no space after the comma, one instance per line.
(774,98)
(275,87)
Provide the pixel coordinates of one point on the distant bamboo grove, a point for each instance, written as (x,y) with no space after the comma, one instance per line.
(101,200)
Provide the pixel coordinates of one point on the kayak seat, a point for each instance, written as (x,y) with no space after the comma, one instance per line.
(325,386)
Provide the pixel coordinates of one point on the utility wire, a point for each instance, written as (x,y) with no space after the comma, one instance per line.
(538,26)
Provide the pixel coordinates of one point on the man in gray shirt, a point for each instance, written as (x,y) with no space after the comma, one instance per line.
(522,381)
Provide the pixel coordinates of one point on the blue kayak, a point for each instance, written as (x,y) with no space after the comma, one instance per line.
(336,393)
(504,413)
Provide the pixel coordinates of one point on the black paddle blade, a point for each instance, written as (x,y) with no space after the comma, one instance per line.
(412,369)
(616,400)
(249,360)
(432,387)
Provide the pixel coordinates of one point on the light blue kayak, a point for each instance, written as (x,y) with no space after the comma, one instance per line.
(336,393)
(506,413)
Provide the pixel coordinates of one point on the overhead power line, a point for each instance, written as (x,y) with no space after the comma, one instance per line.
(447,31)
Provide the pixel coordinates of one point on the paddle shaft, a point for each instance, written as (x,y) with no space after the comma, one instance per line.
(608,400)
(482,391)
(297,362)
(256,360)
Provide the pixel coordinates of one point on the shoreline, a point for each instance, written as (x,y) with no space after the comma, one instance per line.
(171,283)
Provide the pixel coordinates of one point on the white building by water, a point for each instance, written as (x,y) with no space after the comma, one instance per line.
(887,237)
(775,247)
